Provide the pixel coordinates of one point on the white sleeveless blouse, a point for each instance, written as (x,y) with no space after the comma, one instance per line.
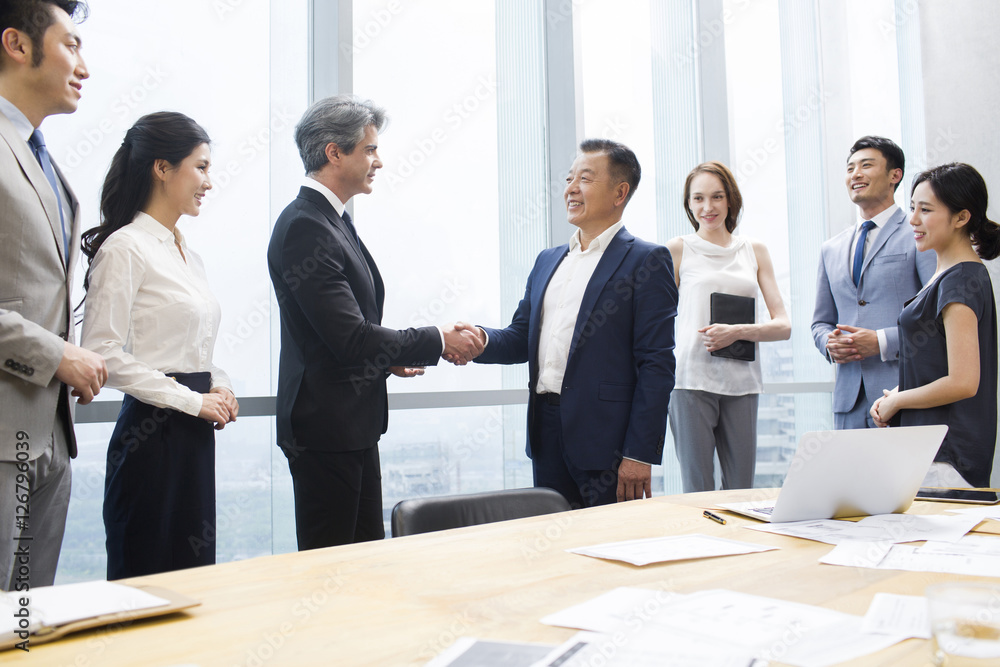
(707,268)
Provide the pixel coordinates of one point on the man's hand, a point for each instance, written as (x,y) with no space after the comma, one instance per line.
(406,371)
(83,371)
(847,343)
(462,343)
(634,478)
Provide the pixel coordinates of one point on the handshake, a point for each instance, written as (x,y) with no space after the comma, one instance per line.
(462,343)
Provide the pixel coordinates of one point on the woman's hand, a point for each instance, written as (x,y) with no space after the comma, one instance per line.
(885,408)
(717,336)
(220,407)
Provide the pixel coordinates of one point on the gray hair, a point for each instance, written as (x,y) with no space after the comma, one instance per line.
(340,120)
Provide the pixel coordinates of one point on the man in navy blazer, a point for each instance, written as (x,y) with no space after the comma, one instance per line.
(596,326)
(332,405)
(854,323)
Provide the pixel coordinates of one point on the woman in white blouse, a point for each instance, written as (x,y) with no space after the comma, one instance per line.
(713,407)
(151,315)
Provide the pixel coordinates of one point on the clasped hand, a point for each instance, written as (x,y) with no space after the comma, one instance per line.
(462,343)
(717,336)
(883,409)
(219,406)
(847,343)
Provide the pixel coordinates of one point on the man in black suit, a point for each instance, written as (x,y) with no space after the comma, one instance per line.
(335,355)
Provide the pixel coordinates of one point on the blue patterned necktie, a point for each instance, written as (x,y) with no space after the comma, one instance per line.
(859,252)
(37,143)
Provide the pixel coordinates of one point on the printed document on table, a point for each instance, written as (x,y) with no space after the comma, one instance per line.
(898,615)
(744,624)
(618,609)
(670,548)
(990,512)
(857,553)
(469,652)
(586,649)
(970,545)
(896,528)
(913,559)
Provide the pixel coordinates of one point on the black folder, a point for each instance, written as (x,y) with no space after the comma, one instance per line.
(733,309)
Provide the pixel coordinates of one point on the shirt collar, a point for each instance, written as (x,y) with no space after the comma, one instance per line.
(600,244)
(334,200)
(17,119)
(150,225)
(881,218)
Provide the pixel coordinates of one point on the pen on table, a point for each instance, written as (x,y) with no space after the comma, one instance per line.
(713,517)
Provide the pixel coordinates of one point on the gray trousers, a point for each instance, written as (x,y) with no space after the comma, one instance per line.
(49,478)
(704,423)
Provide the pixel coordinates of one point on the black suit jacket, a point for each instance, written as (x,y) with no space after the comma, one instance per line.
(334,351)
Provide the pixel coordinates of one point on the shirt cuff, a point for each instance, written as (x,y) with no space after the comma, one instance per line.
(883,344)
(441,331)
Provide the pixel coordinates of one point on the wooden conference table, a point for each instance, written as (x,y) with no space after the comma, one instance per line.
(403,601)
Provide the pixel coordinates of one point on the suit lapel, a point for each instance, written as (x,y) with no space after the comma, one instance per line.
(610,261)
(33,172)
(552,261)
(348,239)
(892,226)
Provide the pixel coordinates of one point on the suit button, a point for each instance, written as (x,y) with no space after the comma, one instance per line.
(9,363)
(862,303)
(30,372)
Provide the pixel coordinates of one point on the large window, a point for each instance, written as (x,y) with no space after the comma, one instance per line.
(471,191)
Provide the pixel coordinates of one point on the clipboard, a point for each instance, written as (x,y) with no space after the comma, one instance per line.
(44,634)
(733,309)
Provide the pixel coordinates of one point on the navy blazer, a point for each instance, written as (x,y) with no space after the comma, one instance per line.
(335,354)
(620,368)
(892,273)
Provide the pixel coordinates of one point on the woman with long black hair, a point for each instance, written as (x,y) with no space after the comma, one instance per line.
(948,331)
(151,315)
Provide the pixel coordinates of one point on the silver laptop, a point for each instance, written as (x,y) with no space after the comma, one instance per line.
(854,472)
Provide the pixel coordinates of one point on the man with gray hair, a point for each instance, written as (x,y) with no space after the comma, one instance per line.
(335,355)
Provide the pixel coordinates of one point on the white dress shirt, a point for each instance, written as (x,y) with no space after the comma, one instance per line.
(879,220)
(148,312)
(561,307)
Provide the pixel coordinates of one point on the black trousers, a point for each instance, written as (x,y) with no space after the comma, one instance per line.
(338,496)
(159,490)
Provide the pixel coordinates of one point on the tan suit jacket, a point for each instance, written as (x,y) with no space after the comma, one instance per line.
(35,292)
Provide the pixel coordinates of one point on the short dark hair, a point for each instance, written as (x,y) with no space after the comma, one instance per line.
(33,18)
(624,164)
(733,197)
(893,154)
(961,188)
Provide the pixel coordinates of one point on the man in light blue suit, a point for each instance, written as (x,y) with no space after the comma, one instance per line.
(596,326)
(866,274)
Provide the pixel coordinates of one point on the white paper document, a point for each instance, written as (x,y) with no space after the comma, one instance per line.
(670,548)
(616,610)
(895,528)
(990,512)
(970,545)
(469,652)
(891,614)
(718,627)
(53,606)
(857,553)
(586,649)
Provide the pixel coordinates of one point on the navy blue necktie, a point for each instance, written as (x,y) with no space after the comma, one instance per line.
(350,226)
(859,252)
(37,143)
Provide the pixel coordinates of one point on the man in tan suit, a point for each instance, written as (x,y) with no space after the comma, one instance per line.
(41,74)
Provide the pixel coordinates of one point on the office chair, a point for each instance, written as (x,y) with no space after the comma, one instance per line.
(424,515)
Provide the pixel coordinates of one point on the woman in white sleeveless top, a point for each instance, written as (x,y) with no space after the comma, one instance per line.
(713,407)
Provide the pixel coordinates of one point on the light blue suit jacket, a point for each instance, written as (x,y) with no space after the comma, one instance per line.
(892,273)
